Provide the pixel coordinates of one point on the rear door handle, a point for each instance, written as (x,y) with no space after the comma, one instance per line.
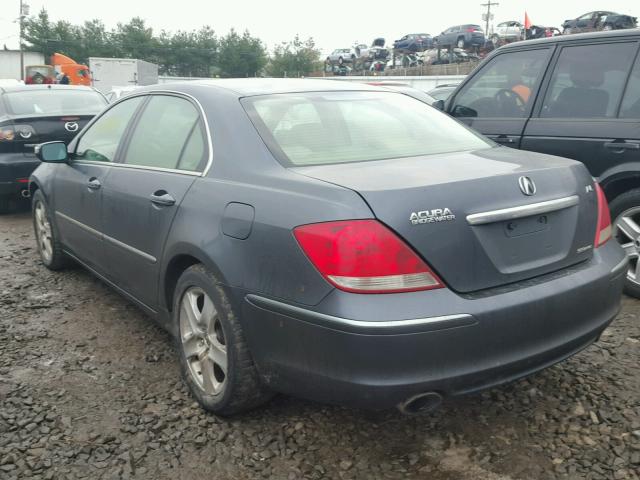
(504,139)
(162,198)
(94,183)
(622,146)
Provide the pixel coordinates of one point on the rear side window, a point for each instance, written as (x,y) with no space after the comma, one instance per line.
(163,133)
(588,81)
(631,101)
(504,88)
(100,142)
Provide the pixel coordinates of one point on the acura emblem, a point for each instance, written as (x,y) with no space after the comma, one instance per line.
(71,127)
(527,186)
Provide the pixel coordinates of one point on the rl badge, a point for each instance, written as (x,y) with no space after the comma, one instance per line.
(432,216)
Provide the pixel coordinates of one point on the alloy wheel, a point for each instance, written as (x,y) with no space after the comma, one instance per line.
(203,341)
(627,232)
(43,232)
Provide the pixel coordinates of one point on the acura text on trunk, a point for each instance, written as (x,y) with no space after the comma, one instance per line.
(335,241)
(32,114)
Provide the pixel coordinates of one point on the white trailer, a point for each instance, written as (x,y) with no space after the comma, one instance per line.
(108,73)
(10,62)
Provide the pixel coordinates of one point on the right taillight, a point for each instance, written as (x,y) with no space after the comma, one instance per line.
(603,233)
(364,256)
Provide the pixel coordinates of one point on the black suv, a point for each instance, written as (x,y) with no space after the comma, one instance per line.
(574,96)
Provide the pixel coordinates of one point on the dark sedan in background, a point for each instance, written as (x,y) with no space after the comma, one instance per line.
(337,241)
(461,36)
(600,20)
(32,114)
(414,42)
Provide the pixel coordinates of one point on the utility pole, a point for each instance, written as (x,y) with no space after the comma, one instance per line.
(489,4)
(24,10)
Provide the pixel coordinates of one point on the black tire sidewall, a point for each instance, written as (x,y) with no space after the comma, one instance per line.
(58,259)
(199,277)
(618,205)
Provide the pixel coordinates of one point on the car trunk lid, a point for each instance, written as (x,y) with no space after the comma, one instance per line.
(40,129)
(467,215)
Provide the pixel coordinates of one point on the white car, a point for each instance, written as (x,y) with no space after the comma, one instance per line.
(508,32)
(342,55)
(119,92)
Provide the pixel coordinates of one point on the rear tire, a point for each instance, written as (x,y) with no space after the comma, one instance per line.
(628,205)
(46,233)
(214,357)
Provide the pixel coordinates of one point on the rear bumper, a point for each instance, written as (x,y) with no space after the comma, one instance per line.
(15,169)
(361,350)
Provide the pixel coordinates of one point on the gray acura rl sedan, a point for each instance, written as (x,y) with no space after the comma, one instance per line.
(336,241)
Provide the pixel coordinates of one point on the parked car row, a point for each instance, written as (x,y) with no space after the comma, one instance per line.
(406,50)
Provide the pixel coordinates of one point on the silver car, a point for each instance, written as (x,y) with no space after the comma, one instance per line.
(342,55)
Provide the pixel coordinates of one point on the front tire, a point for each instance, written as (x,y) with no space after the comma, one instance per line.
(215,360)
(625,209)
(460,43)
(47,238)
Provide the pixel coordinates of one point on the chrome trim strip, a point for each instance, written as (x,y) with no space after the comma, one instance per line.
(102,236)
(522,211)
(138,167)
(360,326)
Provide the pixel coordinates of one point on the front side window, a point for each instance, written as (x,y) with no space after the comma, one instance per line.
(100,142)
(162,132)
(344,127)
(588,81)
(503,88)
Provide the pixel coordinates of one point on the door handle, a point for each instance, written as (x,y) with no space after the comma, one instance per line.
(94,183)
(622,146)
(504,139)
(162,198)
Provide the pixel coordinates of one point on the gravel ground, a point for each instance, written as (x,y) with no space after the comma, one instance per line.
(89,388)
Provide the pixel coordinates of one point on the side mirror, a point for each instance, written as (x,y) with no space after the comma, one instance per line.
(52,152)
(461,112)
(439,104)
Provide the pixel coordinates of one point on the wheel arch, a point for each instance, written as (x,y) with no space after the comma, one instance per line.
(620,179)
(179,260)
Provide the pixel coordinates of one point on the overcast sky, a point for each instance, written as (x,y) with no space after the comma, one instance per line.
(332,23)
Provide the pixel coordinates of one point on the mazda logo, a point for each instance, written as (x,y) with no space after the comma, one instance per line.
(527,186)
(71,127)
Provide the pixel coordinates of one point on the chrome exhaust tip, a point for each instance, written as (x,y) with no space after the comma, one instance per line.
(25,193)
(420,404)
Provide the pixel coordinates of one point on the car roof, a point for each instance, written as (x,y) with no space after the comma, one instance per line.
(22,88)
(632,32)
(245,87)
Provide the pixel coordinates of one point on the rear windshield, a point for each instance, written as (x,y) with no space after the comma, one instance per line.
(54,102)
(344,127)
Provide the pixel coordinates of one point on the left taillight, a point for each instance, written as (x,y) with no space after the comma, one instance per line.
(364,256)
(604,231)
(17,133)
